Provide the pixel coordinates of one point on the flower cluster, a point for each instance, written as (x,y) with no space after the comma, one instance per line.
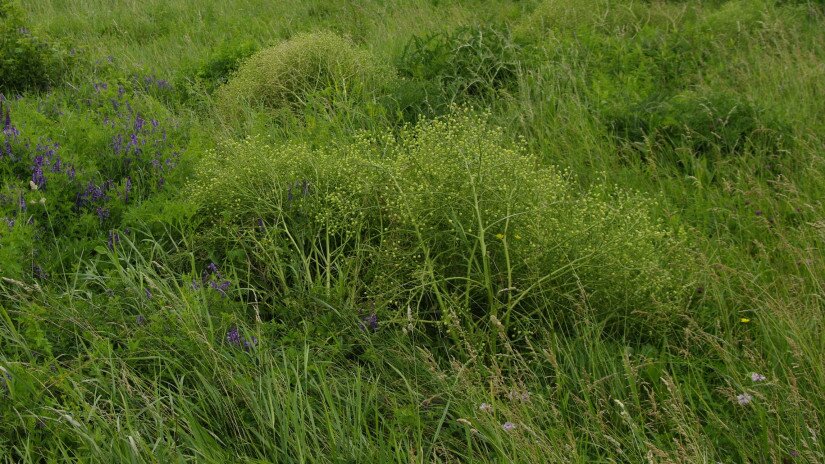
(369,322)
(234,338)
(213,278)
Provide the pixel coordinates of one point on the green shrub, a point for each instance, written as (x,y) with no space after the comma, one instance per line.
(26,61)
(452,217)
(290,74)
(216,70)
(714,124)
(465,64)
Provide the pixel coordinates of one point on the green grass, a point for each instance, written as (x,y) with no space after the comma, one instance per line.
(620,224)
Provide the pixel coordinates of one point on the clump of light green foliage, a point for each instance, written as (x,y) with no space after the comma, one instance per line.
(287,75)
(457,212)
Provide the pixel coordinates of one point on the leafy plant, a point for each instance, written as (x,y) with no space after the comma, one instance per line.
(455,216)
(291,74)
(27,61)
(459,66)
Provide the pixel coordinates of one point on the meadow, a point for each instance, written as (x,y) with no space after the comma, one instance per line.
(532,231)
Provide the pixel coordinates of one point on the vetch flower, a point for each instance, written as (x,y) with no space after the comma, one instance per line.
(744,399)
(220,287)
(127,189)
(370,322)
(508,426)
(233,336)
(756,377)
(114,239)
(251,343)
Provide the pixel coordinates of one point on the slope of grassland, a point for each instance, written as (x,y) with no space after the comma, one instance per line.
(412,231)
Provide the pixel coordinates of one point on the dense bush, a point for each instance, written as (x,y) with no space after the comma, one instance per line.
(215,71)
(458,66)
(26,61)
(308,66)
(454,213)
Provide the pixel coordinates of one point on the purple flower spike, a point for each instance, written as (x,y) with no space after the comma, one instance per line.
(233,336)
(139,122)
(127,189)
(114,239)
(370,322)
(38,178)
(251,343)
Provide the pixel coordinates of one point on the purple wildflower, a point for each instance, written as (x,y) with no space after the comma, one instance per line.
(38,178)
(140,320)
(127,189)
(102,213)
(139,123)
(114,239)
(508,426)
(22,203)
(148,293)
(486,407)
(220,287)
(756,377)
(233,336)
(251,343)
(39,273)
(744,399)
(369,322)
(117,143)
